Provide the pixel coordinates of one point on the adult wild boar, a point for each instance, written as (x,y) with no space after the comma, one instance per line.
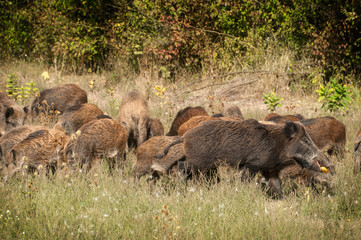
(11,114)
(58,98)
(357,154)
(76,116)
(184,115)
(328,134)
(274,117)
(134,116)
(265,148)
(147,160)
(230,111)
(195,121)
(97,139)
(42,147)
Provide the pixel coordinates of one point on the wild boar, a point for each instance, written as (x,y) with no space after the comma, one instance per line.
(230,111)
(76,116)
(58,98)
(265,148)
(309,177)
(195,121)
(42,147)
(274,117)
(11,114)
(155,128)
(148,161)
(183,116)
(357,153)
(134,116)
(328,134)
(97,139)
(14,136)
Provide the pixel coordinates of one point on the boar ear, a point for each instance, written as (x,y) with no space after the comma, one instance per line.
(26,109)
(291,129)
(9,111)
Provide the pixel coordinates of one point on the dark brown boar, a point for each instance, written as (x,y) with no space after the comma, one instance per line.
(97,139)
(265,148)
(230,111)
(195,121)
(155,128)
(148,161)
(41,148)
(274,117)
(11,114)
(58,98)
(76,116)
(357,153)
(183,116)
(328,134)
(134,116)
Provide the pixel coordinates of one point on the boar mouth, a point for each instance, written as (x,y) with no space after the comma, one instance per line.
(316,163)
(313,164)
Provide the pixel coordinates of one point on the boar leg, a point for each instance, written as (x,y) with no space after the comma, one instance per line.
(274,184)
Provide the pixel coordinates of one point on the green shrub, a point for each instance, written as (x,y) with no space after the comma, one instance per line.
(335,96)
(272,101)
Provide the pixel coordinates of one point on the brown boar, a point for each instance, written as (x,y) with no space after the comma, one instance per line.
(97,139)
(11,114)
(328,134)
(76,116)
(195,121)
(155,128)
(14,136)
(308,177)
(274,117)
(357,153)
(230,111)
(148,161)
(42,147)
(183,116)
(265,148)
(134,116)
(58,98)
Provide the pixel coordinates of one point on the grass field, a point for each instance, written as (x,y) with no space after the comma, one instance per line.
(103,206)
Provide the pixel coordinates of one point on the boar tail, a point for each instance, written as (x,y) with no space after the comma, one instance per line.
(166,150)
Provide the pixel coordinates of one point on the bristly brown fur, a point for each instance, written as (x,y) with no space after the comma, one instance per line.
(134,115)
(183,116)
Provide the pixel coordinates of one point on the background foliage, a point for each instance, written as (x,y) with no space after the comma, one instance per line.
(88,36)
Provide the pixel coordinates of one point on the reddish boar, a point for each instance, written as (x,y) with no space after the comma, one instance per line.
(76,116)
(183,116)
(42,147)
(195,121)
(147,160)
(97,139)
(328,134)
